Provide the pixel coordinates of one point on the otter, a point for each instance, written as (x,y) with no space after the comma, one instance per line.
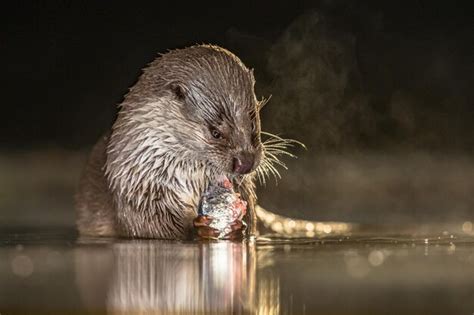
(191,118)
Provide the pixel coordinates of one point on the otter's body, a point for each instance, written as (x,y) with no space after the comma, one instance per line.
(97,212)
(191,118)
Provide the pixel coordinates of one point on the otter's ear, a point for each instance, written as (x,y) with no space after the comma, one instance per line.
(181,94)
(177,91)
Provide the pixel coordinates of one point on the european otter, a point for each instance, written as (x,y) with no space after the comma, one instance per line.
(191,119)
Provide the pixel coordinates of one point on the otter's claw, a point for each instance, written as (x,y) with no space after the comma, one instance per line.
(203,230)
(238,230)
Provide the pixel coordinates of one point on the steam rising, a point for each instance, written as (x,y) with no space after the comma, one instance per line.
(316,93)
(388,136)
(341,87)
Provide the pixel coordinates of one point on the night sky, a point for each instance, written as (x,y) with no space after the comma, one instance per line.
(66,65)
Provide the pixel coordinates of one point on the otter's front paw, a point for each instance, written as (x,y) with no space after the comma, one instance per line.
(203,230)
(235,230)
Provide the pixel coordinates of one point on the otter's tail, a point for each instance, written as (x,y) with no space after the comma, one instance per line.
(274,147)
(289,227)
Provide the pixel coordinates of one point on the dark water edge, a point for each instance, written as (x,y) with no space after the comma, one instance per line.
(53,271)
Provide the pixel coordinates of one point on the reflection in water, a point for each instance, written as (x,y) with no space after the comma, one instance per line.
(293,276)
(268,296)
(170,277)
(377,274)
(173,278)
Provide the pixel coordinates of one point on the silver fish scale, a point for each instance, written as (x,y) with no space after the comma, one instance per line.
(217,203)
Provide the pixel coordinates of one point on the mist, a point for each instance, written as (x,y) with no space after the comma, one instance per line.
(386,117)
(340,88)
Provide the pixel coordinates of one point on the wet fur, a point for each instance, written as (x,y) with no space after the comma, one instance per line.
(145,177)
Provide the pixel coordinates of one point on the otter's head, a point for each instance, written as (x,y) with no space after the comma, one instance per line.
(203,98)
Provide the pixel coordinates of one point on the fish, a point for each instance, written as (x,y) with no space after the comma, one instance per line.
(223,205)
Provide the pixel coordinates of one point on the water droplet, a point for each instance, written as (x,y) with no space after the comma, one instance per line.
(451,249)
(309,226)
(376,258)
(22,266)
(467,227)
(327,229)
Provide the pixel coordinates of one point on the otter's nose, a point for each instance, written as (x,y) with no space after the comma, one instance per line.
(243,162)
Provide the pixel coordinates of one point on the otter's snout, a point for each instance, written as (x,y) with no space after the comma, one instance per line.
(243,163)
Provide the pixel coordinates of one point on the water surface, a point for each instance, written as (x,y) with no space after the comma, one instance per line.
(56,272)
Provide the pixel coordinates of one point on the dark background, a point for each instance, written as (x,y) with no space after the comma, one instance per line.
(381,92)
(66,64)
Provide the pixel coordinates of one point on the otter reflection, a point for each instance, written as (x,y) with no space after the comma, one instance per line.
(189,278)
(163,277)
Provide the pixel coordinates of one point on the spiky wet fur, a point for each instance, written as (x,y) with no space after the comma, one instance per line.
(145,177)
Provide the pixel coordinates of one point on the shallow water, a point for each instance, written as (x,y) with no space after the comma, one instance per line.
(55,272)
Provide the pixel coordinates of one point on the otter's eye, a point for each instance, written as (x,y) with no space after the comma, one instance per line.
(216,134)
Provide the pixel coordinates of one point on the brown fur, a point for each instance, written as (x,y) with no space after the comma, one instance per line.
(146,176)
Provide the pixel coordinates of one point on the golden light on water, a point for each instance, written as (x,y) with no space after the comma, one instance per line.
(327,228)
(277,226)
(451,249)
(467,227)
(268,296)
(293,227)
